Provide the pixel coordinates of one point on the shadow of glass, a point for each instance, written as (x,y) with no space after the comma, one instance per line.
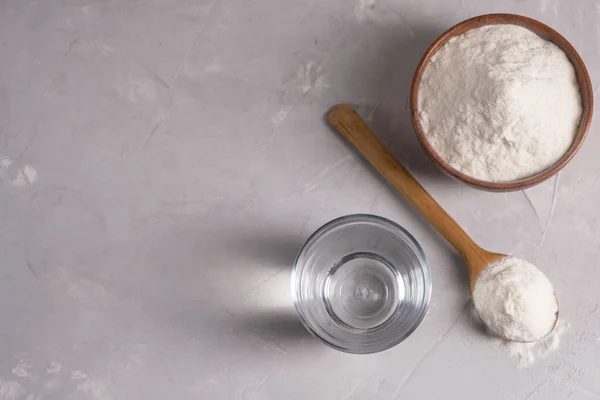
(276,249)
(277,324)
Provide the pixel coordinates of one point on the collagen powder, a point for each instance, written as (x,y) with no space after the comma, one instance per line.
(515,300)
(499,103)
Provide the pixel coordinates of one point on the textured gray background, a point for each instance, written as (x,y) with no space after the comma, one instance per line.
(162,161)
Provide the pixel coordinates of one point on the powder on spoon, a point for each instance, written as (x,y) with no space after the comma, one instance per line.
(499,103)
(515,300)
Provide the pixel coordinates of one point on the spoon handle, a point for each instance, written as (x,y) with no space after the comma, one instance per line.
(347,121)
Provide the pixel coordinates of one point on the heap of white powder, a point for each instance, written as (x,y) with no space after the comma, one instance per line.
(515,300)
(499,103)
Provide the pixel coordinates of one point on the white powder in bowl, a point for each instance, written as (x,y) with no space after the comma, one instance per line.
(499,103)
(515,300)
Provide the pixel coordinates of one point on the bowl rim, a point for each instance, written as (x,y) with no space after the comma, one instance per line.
(583,80)
(344,220)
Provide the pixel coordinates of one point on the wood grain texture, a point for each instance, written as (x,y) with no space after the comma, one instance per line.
(543,31)
(347,121)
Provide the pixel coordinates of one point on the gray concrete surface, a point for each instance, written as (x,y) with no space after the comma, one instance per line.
(162,161)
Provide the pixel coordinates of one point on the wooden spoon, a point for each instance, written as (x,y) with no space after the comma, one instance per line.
(347,121)
(353,127)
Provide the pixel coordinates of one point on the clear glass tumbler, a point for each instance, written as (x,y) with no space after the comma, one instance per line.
(361,284)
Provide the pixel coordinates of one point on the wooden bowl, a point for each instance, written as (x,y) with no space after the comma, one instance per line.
(543,31)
